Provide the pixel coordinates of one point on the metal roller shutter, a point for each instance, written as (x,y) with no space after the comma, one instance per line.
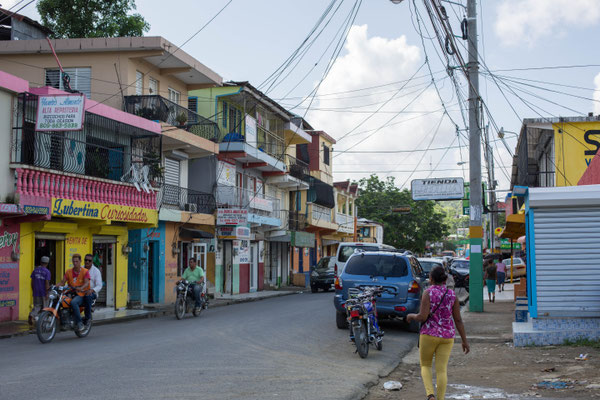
(171,172)
(567,261)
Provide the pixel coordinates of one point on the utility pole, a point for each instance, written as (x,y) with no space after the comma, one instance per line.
(492,216)
(475,203)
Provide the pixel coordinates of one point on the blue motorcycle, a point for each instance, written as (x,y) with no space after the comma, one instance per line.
(361,312)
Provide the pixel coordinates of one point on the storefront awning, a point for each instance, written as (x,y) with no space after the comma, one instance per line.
(515,227)
(196,233)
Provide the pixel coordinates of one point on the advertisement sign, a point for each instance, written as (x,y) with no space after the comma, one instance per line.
(62,112)
(9,273)
(113,212)
(261,204)
(8,208)
(37,210)
(250,130)
(232,216)
(244,251)
(226,174)
(438,189)
(576,143)
(302,239)
(233,232)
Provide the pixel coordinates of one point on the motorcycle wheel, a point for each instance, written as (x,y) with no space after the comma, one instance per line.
(45,328)
(85,331)
(196,311)
(379,344)
(179,308)
(360,338)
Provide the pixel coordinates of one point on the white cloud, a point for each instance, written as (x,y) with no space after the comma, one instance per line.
(526,21)
(597,95)
(370,61)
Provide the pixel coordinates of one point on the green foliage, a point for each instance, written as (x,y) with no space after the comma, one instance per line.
(583,342)
(408,231)
(91,18)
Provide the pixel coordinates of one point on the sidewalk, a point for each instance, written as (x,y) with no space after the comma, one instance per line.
(103,316)
(496,370)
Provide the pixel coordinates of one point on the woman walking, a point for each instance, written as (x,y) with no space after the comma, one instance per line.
(490,281)
(439,314)
(501,275)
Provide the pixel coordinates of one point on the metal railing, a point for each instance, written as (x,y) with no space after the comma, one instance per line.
(297,168)
(270,143)
(183,199)
(320,213)
(345,222)
(257,203)
(296,221)
(157,108)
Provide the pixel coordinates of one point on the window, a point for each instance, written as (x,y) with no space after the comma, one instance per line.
(376,265)
(325,154)
(428,265)
(193,104)
(347,251)
(235,120)
(153,86)
(174,96)
(80,78)
(365,231)
(139,83)
(224,115)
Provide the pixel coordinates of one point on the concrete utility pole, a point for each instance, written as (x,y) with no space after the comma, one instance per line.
(475,203)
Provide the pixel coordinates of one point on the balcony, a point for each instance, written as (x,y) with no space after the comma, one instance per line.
(270,143)
(157,108)
(321,217)
(178,198)
(262,209)
(296,221)
(345,222)
(297,168)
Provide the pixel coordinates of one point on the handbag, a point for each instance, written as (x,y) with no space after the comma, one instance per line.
(430,314)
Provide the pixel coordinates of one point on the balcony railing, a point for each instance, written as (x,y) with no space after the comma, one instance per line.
(345,222)
(320,213)
(257,203)
(270,143)
(296,221)
(104,148)
(157,108)
(297,168)
(183,199)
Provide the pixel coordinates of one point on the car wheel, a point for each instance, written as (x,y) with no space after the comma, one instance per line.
(340,320)
(314,289)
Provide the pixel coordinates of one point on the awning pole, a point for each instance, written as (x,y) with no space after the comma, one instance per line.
(511,260)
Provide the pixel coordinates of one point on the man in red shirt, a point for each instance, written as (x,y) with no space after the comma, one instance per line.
(78,279)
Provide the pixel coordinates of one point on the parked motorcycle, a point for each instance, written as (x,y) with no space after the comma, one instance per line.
(461,279)
(186,302)
(58,315)
(361,312)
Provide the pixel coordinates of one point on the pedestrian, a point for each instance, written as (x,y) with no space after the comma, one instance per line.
(40,283)
(501,275)
(440,316)
(490,281)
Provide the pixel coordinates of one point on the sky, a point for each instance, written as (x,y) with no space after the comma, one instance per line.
(378,99)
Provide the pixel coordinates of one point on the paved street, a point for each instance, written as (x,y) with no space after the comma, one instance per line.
(285,348)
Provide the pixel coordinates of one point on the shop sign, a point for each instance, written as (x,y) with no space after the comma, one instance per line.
(63,112)
(438,189)
(302,239)
(9,208)
(39,210)
(244,252)
(579,142)
(9,284)
(259,203)
(232,216)
(250,130)
(9,241)
(233,232)
(226,173)
(101,211)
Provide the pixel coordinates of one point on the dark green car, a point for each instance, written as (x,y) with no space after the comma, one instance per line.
(322,275)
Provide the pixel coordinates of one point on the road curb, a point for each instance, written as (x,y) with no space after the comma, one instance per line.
(161,313)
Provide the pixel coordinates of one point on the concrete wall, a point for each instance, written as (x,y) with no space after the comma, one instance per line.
(7,181)
(202,174)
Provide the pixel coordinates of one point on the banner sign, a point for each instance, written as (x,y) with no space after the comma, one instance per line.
(9,272)
(250,130)
(112,212)
(438,189)
(232,216)
(39,210)
(9,208)
(63,112)
(233,232)
(302,239)
(259,203)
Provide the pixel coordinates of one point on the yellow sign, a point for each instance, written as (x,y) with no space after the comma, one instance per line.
(89,210)
(576,143)
(498,231)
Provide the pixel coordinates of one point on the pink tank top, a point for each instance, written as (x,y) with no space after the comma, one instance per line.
(440,323)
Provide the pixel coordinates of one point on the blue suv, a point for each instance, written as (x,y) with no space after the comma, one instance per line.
(400,275)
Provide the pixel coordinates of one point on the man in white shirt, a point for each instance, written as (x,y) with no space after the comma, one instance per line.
(95,281)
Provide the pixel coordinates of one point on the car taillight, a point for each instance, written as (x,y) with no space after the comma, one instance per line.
(338,284)
(400,308)
(414,287)
(354,314)
(335,268)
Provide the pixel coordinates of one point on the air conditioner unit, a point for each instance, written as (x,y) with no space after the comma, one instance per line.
(191,207)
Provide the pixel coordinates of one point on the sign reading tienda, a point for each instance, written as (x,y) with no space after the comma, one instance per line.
(438,189)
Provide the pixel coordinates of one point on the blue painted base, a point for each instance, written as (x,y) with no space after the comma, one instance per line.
(554,331)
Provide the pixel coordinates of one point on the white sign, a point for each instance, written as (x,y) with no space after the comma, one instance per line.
(232,216)
(438,189)
(259,203)
(63,112)
(250,130)
(226,173)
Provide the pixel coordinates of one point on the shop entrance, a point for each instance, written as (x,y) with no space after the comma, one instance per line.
(49,246)
(227,266)
(104,259)
(253,267)
(153,272)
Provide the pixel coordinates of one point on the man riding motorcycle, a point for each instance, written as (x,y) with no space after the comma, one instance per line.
(195,276)
(78,279)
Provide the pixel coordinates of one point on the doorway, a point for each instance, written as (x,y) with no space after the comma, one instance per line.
(54,250)
(253,267)
(199,251)
(104,259)
(227,268)
(301,260)
(153,281)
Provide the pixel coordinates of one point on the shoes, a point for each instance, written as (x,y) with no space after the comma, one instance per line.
(80,326)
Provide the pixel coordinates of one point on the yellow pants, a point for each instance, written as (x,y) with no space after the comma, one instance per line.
(441,348)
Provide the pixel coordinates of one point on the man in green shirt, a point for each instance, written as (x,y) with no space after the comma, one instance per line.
(195,276)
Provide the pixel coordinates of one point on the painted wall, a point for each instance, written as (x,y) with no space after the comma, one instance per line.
(210,107)
(171,275)
(576,143)
(7,180)
(139,264)
(11,275)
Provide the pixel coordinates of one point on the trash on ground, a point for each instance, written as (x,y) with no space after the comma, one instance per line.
(554,385)
(549,369)
(392,385)
(593,386)
(582,357)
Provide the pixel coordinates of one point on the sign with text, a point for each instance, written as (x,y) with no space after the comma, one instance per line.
(232,216)
(113,212)
(258,203)
(226,174)
(438,189)
(63,112)
(9,208)
(250,130)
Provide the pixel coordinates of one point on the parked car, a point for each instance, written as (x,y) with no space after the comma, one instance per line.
(400,275)
(345,250)
(519,267)
(459,269)
(428,263)
(322,275)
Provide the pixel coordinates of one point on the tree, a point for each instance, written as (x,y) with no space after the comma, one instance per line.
(91,18)
(406,231)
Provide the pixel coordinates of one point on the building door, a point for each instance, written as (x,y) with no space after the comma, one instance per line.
(301,259)
(253,267)
(153,281)
(104,259)
(227,266)
(47,245)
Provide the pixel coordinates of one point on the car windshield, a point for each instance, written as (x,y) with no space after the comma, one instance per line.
(323,263)
(347,251)
(428,265)
(377,265)
(463,264)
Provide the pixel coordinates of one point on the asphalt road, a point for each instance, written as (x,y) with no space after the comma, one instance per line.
(281,348)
